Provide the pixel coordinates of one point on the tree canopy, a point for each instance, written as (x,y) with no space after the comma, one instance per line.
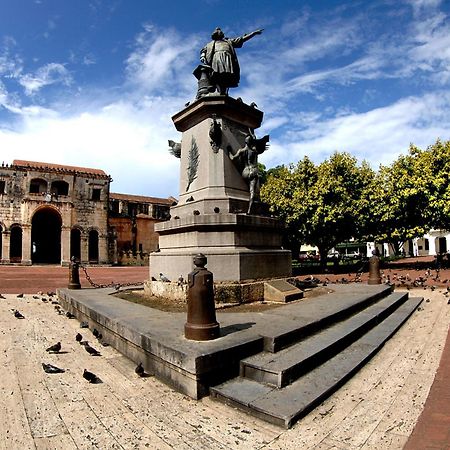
(328,203)
(319,203)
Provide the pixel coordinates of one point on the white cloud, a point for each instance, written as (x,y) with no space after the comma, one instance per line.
(378,136)
(157,63)
(127,141)
(46,75)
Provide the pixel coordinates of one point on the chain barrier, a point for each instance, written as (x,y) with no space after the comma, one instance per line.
(113,284)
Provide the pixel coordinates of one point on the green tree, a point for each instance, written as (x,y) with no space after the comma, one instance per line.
(320,204)
(395,203)
(433,179)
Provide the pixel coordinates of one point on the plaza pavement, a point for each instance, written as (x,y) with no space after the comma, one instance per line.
(377,409)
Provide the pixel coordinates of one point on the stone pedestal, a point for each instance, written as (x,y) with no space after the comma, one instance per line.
(210,216)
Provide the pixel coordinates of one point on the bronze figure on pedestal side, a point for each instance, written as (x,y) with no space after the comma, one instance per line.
(250,172)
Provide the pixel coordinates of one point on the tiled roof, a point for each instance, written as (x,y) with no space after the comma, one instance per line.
(142,199)
(58,167)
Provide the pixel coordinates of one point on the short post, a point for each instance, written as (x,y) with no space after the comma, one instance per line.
(74,274)
(374,269)
(201,322)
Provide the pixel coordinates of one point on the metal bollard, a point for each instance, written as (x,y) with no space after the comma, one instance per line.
(201,322)
(74,275)
(374,269)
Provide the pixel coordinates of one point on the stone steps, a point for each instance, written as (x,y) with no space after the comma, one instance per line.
(323,312)
(283,367)
(285,405)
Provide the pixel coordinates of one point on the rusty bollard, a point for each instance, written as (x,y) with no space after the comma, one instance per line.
(74,275)
(374,269)
(201,322)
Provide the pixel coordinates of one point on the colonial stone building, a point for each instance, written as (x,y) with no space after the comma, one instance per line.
(51,212)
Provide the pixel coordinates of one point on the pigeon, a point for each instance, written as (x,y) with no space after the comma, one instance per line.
(56,348)
(84,325)
(162,277)
(36,297)
(19,295)
(18,315)
(70,315)
(51,294)
(180,280)
(48,368)
(140,370)
(95,332)
(91,350)
(78,337)
(91,377)
(1,296)
(43,299)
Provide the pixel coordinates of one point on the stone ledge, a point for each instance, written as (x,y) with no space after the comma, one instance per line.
(220,105)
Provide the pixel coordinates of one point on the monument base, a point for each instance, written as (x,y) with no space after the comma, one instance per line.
(238,247)
(224,293)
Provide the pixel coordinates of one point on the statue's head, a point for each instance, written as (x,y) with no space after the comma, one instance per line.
(217,34)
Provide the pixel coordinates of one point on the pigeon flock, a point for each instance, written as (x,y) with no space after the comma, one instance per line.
(57,348)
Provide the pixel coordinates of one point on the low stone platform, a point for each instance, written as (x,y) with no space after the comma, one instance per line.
(156,338)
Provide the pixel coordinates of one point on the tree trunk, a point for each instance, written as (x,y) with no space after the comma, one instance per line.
(323,252)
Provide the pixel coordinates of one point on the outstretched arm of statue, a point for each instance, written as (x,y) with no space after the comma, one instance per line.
(248,36)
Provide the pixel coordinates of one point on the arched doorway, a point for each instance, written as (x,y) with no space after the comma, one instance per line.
(75,243)
(15,249)
(442,245)
(46,237)
(93,246)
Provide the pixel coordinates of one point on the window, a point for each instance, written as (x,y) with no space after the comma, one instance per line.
(38,186)
(96,194)
(114,206)
(2,186)
(60,188)
(427,244)
(161,212)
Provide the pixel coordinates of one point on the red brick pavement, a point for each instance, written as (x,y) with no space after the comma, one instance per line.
(432,431)
(31,279)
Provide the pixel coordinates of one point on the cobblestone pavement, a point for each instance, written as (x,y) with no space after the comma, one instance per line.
(376,409)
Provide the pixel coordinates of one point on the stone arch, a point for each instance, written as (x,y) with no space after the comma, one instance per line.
(46,226)
(93,241)
(15,243)
(38,186)
(75,242)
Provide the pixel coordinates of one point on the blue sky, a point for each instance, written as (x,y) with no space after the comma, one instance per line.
(94,83)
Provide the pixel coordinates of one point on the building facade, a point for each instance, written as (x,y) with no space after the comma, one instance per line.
(132,221)
(51,212)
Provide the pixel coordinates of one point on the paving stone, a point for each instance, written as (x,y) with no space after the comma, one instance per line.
(423,333)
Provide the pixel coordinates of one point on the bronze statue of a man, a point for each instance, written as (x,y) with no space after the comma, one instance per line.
(220,55)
